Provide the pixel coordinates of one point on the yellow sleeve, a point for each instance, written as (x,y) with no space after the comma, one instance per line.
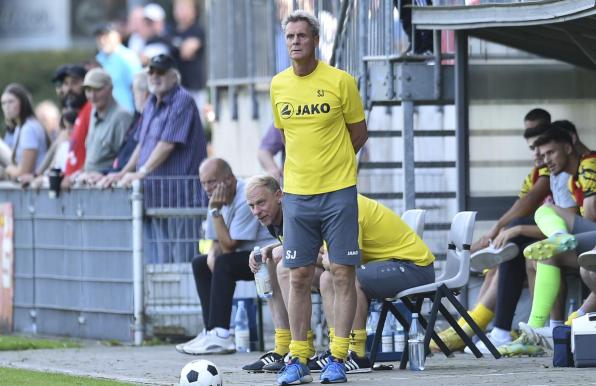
(526,185)
(586,176)
(352,108)
(543,172)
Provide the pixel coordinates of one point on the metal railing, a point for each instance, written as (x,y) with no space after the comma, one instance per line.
(447,3)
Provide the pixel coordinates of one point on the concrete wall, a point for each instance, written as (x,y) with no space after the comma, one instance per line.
(237,141)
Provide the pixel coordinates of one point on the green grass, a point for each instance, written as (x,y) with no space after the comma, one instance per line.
(36,378)
(11,343)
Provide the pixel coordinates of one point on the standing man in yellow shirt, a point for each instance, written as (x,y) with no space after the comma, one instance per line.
(319,111)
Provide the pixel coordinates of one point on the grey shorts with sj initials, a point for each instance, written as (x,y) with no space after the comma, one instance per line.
(310,219)
(385,279)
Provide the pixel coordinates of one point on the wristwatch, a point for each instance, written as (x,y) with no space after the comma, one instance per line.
(214,212)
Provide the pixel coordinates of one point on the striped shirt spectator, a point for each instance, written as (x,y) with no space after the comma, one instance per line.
(176,120)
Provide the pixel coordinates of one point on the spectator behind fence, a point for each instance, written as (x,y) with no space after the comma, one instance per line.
(171,138)
(171,146)
(68,81)
(118,61)
(235,232)
(109,122)
(48,115)
(57,154)
(140,88)
(153,33)
(189,42)
(271,144)
(24,134)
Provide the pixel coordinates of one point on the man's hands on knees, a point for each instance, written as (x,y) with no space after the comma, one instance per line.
(277,254)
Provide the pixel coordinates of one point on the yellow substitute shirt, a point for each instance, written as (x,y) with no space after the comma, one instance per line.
(384,235)
(313,111)
(583,184)
(531,179)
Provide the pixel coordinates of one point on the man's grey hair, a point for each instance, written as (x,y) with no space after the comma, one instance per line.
(302,15)
(263,180)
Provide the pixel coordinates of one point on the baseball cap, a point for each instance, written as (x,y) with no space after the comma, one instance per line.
(162,62)
(154,12)
(97,78)
(65,70)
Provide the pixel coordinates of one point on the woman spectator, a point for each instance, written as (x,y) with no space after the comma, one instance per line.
(25,136)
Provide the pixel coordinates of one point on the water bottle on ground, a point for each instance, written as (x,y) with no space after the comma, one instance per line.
(373,319)
(233,320)
(416,345)
(262,281)
(399,338)
(387,336)
(242,332)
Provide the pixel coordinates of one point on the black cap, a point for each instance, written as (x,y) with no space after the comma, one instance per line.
(104,28)
(69,70)
(162,62)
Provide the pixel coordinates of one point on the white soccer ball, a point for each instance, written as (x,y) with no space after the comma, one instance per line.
(200,373)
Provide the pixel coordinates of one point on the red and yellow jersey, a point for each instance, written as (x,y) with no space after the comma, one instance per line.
(531,179)
(583,184)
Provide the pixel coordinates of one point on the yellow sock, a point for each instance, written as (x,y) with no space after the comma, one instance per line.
(358,342)
(339,347)
(310,338)
(331,335)
(299,349)
(282,341)
(482,315)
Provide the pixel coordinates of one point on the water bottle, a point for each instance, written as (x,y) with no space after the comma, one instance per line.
(416,345)
(387,335)
(232,329)
(262,281)
(373,319)
(399,338)
(242,332)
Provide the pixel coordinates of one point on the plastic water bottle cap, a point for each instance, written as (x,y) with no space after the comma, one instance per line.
(414,315)
(256,248)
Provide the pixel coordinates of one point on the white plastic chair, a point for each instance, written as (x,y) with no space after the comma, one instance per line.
(454,277)
(415,220)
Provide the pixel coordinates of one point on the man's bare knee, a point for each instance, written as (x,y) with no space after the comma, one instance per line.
(301,278)
(344,276)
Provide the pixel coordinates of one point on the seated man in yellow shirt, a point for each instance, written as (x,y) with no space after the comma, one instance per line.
(394,258)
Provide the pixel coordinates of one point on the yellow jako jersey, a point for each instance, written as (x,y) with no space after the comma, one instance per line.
(313,111)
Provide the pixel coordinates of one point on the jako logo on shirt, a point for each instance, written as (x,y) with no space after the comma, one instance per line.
(286,110)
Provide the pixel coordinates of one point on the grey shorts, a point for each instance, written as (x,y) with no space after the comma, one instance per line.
(310,219)
(582,225)
(385,279)
(585,233)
